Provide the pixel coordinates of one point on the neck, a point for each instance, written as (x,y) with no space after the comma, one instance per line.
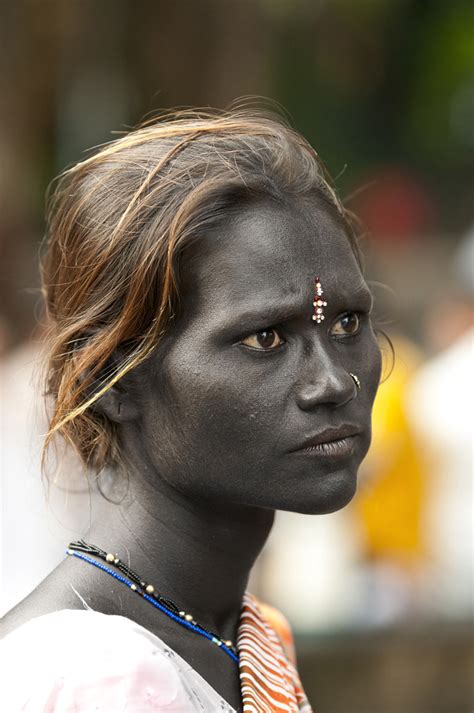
(196,553)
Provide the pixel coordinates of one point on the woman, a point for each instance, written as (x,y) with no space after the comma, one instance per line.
(212,353)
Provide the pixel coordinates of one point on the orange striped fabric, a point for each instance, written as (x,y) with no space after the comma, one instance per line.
(269,681)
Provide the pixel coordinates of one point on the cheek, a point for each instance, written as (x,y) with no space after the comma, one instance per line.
(232,408)
(213,404)
(215,420)
(371,368)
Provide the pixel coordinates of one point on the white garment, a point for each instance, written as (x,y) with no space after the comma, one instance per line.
(441,408)
(29,522)
(84,661)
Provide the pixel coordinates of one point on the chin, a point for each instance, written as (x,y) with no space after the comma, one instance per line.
(332,493)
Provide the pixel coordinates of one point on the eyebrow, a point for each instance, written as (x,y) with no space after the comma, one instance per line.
(275,312)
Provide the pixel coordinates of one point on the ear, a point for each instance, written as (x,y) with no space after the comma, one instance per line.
(117,403)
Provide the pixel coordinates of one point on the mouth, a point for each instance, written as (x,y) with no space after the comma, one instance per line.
(337,448)
(332,442)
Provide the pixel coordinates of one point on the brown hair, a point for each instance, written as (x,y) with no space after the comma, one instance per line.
(117,224)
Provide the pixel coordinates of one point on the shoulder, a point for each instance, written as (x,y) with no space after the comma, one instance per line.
(57,591)
(71,659)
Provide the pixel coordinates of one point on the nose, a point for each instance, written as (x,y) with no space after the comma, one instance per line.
(325,382)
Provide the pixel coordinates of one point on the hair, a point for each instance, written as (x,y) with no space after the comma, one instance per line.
(117,224)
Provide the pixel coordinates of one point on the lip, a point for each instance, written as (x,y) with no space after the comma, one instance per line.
(335,440)
(342,448)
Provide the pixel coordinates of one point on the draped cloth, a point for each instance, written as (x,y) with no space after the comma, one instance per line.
(269,680)
(79,661)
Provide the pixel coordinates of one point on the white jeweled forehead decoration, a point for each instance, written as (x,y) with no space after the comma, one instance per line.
(318,302)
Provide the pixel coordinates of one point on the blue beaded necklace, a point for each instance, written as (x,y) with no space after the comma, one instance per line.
(82,549)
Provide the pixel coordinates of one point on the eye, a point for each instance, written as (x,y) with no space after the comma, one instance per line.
(348,324)
(264,340)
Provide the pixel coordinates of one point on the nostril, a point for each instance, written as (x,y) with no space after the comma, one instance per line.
(336,388)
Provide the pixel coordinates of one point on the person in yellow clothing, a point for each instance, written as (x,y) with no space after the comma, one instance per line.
(388,509)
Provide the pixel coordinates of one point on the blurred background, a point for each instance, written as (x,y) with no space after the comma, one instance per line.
(380,595)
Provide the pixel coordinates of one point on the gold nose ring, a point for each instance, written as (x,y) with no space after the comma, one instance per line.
(355,379)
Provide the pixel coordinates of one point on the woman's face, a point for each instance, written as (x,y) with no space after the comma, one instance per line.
(246,377)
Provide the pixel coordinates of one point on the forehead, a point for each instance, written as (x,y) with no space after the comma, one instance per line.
(268,253)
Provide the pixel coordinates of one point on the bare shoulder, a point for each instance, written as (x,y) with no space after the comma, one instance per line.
(63,588)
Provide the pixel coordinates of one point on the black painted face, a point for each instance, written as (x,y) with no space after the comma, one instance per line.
(246,375)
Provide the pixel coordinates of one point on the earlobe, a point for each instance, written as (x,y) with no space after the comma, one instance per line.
(116,402)
(117,405)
